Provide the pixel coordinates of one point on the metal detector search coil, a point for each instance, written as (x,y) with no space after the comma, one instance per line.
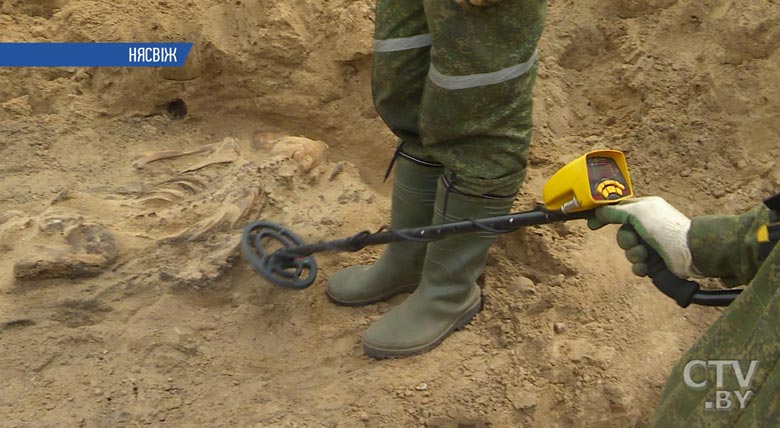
(279,267)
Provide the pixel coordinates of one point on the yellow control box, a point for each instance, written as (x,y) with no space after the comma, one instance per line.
(596,178)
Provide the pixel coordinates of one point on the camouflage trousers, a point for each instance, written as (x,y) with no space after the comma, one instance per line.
(749,330)
(455,84)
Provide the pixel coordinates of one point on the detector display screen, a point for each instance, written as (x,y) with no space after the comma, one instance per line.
(605,179)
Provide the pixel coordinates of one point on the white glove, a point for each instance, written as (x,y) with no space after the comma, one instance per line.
(659,224)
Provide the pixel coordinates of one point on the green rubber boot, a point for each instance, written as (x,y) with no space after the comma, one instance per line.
(448,296)
(400,267)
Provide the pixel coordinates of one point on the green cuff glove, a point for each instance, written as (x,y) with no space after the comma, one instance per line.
(658,224)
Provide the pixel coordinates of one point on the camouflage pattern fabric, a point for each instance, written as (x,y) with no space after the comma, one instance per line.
(748,330)
(398,76)
(465,101)
(480,3)
(725,246)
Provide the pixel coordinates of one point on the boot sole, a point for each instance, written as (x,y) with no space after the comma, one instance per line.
(463,321)
(377,299)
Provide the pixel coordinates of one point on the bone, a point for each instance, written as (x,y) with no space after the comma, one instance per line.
(193,186)
(165,194)
(307,153)
(194,212)
(149,157)
(226,152)
(228,215)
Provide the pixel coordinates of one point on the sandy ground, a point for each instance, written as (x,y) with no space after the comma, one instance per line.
(123,302)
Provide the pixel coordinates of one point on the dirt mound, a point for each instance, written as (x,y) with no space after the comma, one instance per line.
(128,305)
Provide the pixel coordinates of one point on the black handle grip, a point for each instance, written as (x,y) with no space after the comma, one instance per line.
(682,291)
(679,289)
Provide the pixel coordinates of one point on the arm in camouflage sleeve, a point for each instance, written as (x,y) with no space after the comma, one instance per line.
(747,332)
(725,246)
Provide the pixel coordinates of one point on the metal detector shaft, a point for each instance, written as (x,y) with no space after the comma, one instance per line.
(501,224)
(293,265)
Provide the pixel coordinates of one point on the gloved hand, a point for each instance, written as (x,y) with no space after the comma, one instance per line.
(659,224)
